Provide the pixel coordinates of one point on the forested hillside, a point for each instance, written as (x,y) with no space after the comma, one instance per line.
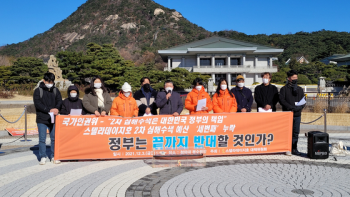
(138,28)
(133,26)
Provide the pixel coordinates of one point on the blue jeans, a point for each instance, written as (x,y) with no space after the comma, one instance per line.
(296,131)
(42,128)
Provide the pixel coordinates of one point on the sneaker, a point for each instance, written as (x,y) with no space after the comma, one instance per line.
(42,161)
(55,161)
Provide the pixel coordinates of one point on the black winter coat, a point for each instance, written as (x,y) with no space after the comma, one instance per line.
(143,102)
(46,103)
(263,98)
(72,103)
(245,101)
(288,99)
(171,105)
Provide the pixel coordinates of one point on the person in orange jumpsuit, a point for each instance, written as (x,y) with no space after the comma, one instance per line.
(198,93)
(224,100)
(125,105)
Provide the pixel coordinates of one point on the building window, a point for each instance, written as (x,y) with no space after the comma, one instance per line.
(235,61)
(233,78)
(220,61)
(218,77)
(171,63)
(205,62)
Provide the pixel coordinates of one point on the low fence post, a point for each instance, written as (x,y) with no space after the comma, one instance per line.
(25,123)
(329,102)
(325,120)
(25,126)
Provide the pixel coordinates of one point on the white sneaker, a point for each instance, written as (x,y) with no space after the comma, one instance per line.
(55,161)
(42,161)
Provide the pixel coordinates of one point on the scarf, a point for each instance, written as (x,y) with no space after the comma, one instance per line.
(293,86)
(100,98)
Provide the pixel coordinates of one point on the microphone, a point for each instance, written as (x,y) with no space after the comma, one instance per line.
(169,91)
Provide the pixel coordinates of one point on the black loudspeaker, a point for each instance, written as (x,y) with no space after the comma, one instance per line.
(318,145)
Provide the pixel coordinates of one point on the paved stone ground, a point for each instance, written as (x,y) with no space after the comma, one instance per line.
(253,175)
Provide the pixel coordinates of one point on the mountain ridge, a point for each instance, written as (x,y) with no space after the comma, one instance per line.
(138,28)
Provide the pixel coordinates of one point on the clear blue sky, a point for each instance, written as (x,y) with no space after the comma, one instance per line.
(23,19)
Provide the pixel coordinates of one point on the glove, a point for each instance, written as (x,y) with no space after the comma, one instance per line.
(298,108)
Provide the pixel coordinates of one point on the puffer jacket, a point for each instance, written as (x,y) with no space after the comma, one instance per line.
(224,102)
(72,103)
(192,99)
(124,106)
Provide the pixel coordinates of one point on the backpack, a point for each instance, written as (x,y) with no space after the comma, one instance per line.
(41,91)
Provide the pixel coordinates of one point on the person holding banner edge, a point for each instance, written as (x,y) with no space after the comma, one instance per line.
(169,101)
(97,99)
(125,105)
(290,95)
(47,99)
(224,100)
(198,93)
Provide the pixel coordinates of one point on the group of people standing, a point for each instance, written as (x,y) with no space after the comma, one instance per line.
(146,101)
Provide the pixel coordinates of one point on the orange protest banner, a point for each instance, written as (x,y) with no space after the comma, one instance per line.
(110,137)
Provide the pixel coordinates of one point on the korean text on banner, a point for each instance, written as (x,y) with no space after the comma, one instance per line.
(90,137)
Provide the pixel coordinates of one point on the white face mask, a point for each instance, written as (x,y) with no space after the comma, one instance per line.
(73,95)
(49,85)
(223,87)
(198,88)
(240,85)
(168,88)
(97,85)
(126,94)
(265,81)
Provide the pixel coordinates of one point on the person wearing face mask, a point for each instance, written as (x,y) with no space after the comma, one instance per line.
(72,102)
(243,95)
(145,98)
(97,99)
(47,98)
(198,93)
(169,101)
(224,101)
(266,95)
(124,104)
(290,94)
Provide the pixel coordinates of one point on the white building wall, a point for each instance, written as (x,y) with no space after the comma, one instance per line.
(259,78)
(176,62)
(249,61)
(190,62)
(249,80)
(262,62)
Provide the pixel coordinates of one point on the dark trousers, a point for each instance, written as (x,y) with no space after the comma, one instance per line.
(296,131)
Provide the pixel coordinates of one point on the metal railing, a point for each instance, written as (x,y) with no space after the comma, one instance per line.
(325,120)
(327,100)
(25,123)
